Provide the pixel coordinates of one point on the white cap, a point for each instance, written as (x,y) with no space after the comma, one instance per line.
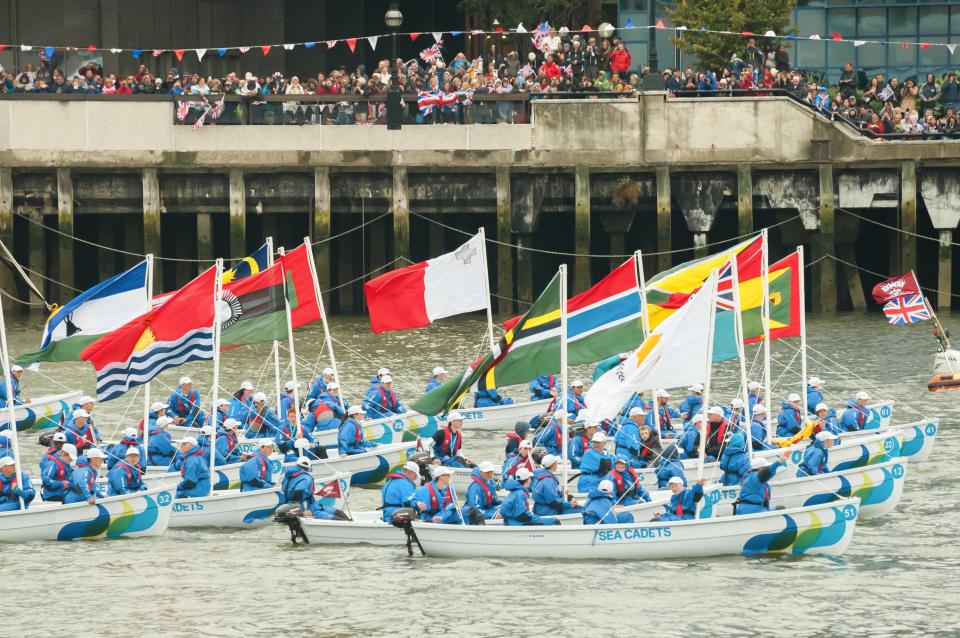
(130,432)
(793,397)
(410,466)
(599,437)
(675,480)
(386,379)
(382,371)
(825,435)
(95,453)
(231,424)
(163,421)
(70,449)
(222,402)
(716,410)
(577,384)
(189,440)
(333,385)
(157,406)
(132,450)
(662,394)
(606,486)
(523,474)
(526,445)
(455,416)
(16,368)
(699,417)
(246,385)
(268,442)
(696,387)
(301,444)
(439,370)
(80,412)
(548,461)
(815,381)
(487,466)
(636,411)
(354,409)
(863,396)
(85,399)
(737,403)
(303,462)
(759,409)
(5,461)
(759,461)
(206,430)
(821,406)
(57,436)
(754,385)
(442,470)
(328,372)
(185,380)
(289,386)
(259,397)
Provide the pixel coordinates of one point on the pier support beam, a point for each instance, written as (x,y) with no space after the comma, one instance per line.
(37,253)
(827,298)
(321,229)
(617,224)
(525,268)
(238,215)
(65,243)
(852,276)
(504,250)
(401,215)
(7,281)
(205,250)
(106,259)
(151,223)
(581,229)
(744,200)
(945,270)
(664,240)
(700,245)
(908,215)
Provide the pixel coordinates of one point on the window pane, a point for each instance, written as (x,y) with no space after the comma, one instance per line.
(872,55)
(810,22)
(933,20)
(873,22)
(842,21)
(811,55)
(839,53)
(903,20)
(901,57)
(935,55)
(955,19)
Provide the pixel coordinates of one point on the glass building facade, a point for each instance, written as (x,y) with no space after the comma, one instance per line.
(893,20)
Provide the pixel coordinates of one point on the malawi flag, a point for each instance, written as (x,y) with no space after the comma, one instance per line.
(169,335)
(252,309)
(301,285)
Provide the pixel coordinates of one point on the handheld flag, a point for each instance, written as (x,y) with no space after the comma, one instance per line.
(905,284)
(906,309)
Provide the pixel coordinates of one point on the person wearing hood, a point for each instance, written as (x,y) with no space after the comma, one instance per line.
(381,400)
(650,446)
(758,428)
(194,470)
(227,439)
(856,416)
(321,384)
(599,507)
(691,403)
(434,500)
(298,488)
(350,439)
(160,446)
(547,494)
(790,420)
(126,477)
(448,440)
(56,473)
(814,393)
(13,488)
(755,488)
(683,502)
(256,473)
(482,491)
(579,443)
(595,464)
(670,466)
(627,489)
(398,491)
(689,441)
(516,507)
(437,379)
(734,461)
(627,440)
(665,413)
(543,387)
(521,459)
(241,405)
(184,405)
(83,480)
(550,436)
(519,434)
(119,450)
(816,457)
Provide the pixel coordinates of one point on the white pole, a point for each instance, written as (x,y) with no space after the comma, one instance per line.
(323,317)
(297,433)
(803,338)
(276,344)
(146,387)
(642,282)
(738,327)
(765,321)
(563,379)
(217,294)
(711,327)
(486,287)
(11,411)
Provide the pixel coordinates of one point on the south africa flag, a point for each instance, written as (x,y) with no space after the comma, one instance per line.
(253,310)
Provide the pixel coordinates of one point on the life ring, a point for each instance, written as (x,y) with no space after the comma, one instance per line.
(945,381)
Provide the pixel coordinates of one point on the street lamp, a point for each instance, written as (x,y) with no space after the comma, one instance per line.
(496,29)
(653,81)
(394,19)
(605,30)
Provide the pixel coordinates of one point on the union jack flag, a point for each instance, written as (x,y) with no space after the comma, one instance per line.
(427,101)
(182,109)
(431,53)
(906,309)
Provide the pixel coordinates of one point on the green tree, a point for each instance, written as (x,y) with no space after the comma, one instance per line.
(713,49)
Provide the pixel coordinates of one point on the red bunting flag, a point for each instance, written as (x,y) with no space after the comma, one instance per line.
(179,53)
(91,48)
(659,24)
(265,48)
(746,34)
(414,36)
(586,28)
(904,45)
(352,43)
(3,47)
(331,44)
(835,36)
(924,45)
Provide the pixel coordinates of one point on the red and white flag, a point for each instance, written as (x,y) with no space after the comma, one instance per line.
(420,294)
(330,490)
(905,284)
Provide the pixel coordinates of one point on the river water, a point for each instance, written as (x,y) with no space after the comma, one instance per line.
(899,576)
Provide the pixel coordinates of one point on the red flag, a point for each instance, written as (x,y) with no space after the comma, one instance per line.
(746,34)
(330,490)
(304,306)
(352,43)
(265,48)
(91,48)
(586,28)
(924,45)
(179,53)
(905,284)
(660,24)
(414,36)
(835,36)
(3,47)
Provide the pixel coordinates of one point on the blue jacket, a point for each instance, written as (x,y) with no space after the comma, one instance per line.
(380,402)
(161,450)
(350,439)
(124,479)
(241,410)
(397,493)
(690,405)
(186,406)
(854,417)
(683,504)
(80,436)
(575,403)
(814,397)
(516,510)
(83,483)
(317,389)
(815,460)
(755,489)
(734,461)
(599,510)
(758,431)
(752,398)
(669,418)
(298,487)
(119,450)
(15,384)
(433,384)
(550,437)
(540,387)
(689,442)
(788,421)
(194,474)
(55,476)
(482,495)
(438,502)
(203,443)
(12,490)
(636,401)
(576,447)
(667,469)
(227,449)
(627,441)
(590,471)
(547,495)
(266,424)
(286,404)
(489,398)
(627,489)
(256,473)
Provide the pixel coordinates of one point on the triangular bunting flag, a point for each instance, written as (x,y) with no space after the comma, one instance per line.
(629,24)
(373,41)
(659,24)
(221,52)
(904,45)
(352,43)
(703,29)
(835,36)
(309,45)
(924,45)
(586,28)
(289,47)
(200,53)
(414,36)
(136,52)
(746,34)
(815,36)
(437,36)
(770,34)
(26,47)
(244,49)
(951,47)
(49,51)
(791,36)
(859,43)
(520,28)
(91,48)
(265,48)
(116,50)
(179,53)
(331,44)
(681,28)
(456,33)
(157,52)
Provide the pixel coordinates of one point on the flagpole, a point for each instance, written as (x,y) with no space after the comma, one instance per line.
(711,328)
(562,396)
(217,294)
(11,410)
(146,386)
(642,281)
(323,317)
(276,344)
(298,432)
(738,327)
(486,286)
(803,338)
(765,321)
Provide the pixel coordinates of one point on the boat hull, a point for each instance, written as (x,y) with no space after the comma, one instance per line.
(228,509)
(42,413)
(366,528)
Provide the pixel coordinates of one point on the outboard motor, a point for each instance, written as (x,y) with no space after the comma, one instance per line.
(289,515)
(425,461)
(475,516)
(45,439)
(403,518)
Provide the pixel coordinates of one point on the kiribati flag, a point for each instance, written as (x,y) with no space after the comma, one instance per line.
(906,309)
(167,336)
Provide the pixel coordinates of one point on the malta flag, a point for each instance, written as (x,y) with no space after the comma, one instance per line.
(418,295)
(169,335)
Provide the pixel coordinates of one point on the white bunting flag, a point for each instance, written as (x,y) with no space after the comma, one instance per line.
(200,53)
(373,41)
(437,36)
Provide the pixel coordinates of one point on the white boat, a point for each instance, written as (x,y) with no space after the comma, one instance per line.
(946,362)
(365,528)
(881,415)
(139,514)
(227,508)
(42,412)
(818,529)
(502,418)
(918,441)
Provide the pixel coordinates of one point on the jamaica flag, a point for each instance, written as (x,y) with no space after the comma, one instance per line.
(253,310)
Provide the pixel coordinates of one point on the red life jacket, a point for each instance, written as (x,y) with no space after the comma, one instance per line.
(487,493)
(84,440)
(183,466)
(128,470)
(861,414)
(447,436)
(435,501)
(527,462)
(664,416)
(621,482)
(549,476)
(720,432)
(578,402)
(9,487)
(384,397)
(61,467)
(264,464)
(680,509)
(397,475)
(359,431)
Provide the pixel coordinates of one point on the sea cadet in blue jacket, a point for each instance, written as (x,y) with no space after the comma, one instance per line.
(13,488)
(734,462)
(434,501)
(580,443)
(241,405)
(755,489)
(298,487)
(547,493)
(758,428)
(599,507)
(437,379)
(691,403)
(814,393)
(194,470)
(683,503)
(350,439)
(790,420)
(257,472)
(550,436)
(56,472)
(516,507)
(668,467)
(184,405)
(161,451)
(817,456)
(399,488)
(627,489)
(594,465)
(320,386)
(126,477)
(856,416)
(482,491)
(382,400)
(448,440)
(543,387)
(83,480)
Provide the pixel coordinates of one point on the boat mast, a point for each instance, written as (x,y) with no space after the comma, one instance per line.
(741,355)
(562,396)
(765,322)
(298,432)
(11,411)
(146,386)
(711,327)
(323,317)
(803,338)
(486,286)
(645,323)
(217,296)
(276,343)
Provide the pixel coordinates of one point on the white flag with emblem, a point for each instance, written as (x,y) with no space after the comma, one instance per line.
(455,283)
